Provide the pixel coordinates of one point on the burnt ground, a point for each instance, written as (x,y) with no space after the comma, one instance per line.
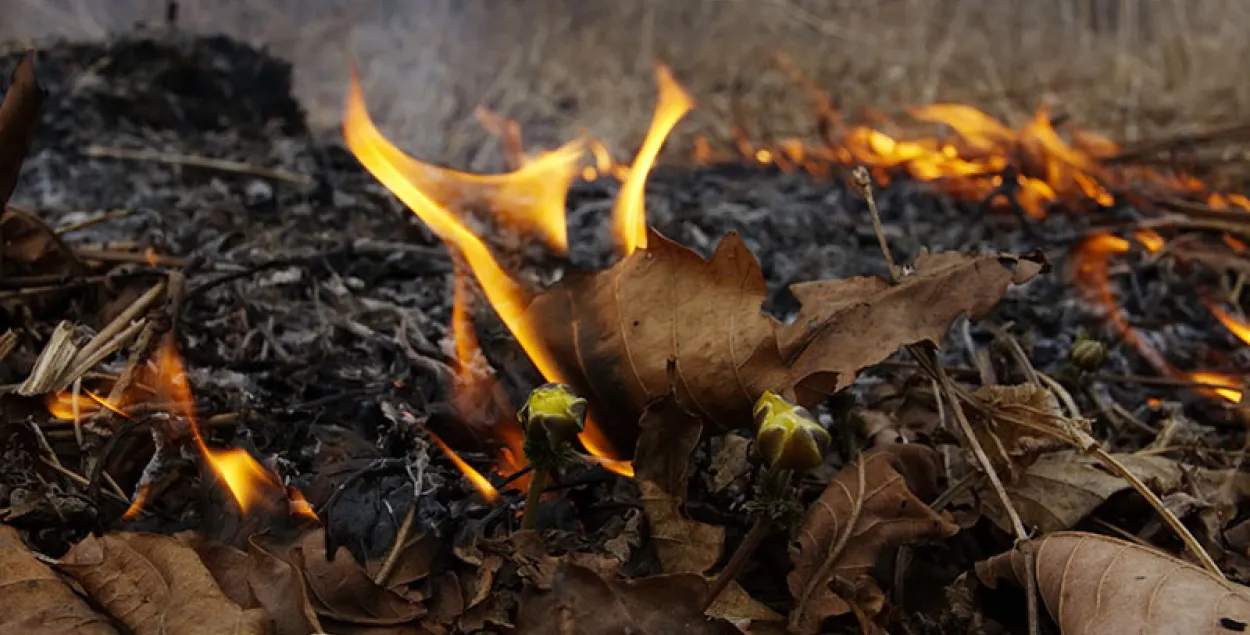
(318,311)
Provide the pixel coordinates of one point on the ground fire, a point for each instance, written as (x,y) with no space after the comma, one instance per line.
(807,385)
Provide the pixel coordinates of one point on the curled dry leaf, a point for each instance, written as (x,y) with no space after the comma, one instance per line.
(36,601)
(340,590)
(1096,585)
(613,333)
(19,113)
(868,507)
(157,585)
(668,436)
(1063,488)
(1014,426)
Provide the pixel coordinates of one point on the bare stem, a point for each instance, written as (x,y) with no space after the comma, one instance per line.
(749,543)
(534,496)
(863,180)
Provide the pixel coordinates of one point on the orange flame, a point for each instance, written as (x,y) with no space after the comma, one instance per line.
(1091,260)
(136,506)
(629,213)
(1235,325)
(483,486)
(408,179)
(246,479)
(299,506)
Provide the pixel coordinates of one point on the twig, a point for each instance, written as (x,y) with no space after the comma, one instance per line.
(863,181)
(759,529)
(220,165)
(106,255)
(401,537)
(928,359)
(96,220)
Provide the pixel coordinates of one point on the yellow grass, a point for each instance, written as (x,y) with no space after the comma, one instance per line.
(1129,68)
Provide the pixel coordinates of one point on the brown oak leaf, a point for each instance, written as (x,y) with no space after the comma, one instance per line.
(36,601)
(613,333)
(867,508)
(157,585)
(1097,585)
(19,113)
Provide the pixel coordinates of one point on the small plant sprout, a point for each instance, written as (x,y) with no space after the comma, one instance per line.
(553,416)
(790,442)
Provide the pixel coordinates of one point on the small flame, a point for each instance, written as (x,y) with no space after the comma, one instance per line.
(299,505)
(1237,326)
(1228,388)
(1091,260)
(407,178)
(629,213)
(136,505)
(483,486)
(1150,239)
(246,479)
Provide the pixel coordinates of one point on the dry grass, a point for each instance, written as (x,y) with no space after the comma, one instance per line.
(1130,68)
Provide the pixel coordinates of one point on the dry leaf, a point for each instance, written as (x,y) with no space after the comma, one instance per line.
(340,589)
(731,462)
(156,585)
(1062,489)
(668,436)
(19,115)
(868,507)
(1014,432)
(582,603)
(36,601)
(1096,585)
(613,333)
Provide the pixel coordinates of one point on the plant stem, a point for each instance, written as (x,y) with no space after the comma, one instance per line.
(752,540)
(534,496)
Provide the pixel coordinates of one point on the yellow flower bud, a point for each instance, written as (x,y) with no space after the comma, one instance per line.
(787,435)
(553,412)
(1088,354)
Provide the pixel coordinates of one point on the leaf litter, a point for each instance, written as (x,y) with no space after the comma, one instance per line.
(635,339)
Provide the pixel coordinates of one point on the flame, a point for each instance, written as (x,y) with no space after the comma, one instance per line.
(246,479)
(299,505)
(407,178)
(1091,260)
(629,213)
(483,486)
(1235,325)
(136,506)
(70,406)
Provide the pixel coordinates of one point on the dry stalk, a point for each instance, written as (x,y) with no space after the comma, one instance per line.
(928,360)
(401,537)
(198,162)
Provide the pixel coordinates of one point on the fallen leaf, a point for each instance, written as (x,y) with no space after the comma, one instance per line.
(414,562)
(19,113)
(157,585)
(731,461)
(30,247)
(278,585)
(614,333)
(1064,488)
(1013,427)
(668,436)
(36,601)
(1097,585)
(582,603)
(867,508)
(340,590)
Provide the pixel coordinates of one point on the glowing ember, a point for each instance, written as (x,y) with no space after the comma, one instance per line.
(407,179)
(1150,239)
(479,482)
(629,214)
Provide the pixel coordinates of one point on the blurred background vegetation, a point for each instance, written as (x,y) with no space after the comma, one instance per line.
(1131,69)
